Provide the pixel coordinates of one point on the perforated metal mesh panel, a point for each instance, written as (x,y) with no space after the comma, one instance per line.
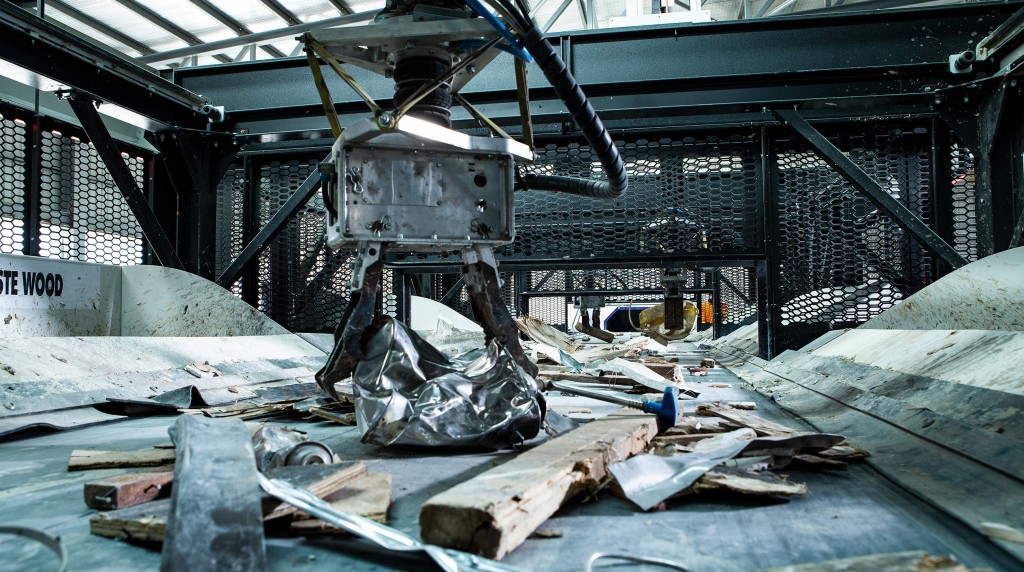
(303,285)
(739,297)
(83,214)
(12,185)
(230,220)
(550,310)
(843,261)
(686,196)
(961,173)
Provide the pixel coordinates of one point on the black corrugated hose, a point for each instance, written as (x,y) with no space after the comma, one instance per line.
(586,118)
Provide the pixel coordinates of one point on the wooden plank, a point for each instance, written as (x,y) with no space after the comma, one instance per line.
(496,511)
(321,480)
(146,522)
(368,496)
(762,426)
(128,490)
(82,459)
(749,483)
(894,562)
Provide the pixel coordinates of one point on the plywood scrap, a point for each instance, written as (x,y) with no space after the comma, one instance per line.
(368,495)
(762,426)
(496,511)
(748,483)
(1002,532)
(83,459)
(816,463)
(913,561)
(145,522)
(127,490)
(321,480)
(844,452)
(542,333)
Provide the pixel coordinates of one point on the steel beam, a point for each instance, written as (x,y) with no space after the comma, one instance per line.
(232,24)
(85,109)
(282,12)
(870,187)
(48,50)
(100,27)
(259,37)
(167,25)
(636,72)
(269,232)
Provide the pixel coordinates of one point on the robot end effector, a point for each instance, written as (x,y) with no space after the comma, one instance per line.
(405,180)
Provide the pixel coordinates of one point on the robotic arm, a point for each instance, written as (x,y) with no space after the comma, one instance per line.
(404,180)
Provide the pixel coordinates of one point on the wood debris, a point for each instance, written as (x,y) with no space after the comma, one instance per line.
(749,483)
(368,495)
(494,512)
(745,405)
(147,522)
(913,561)
(127,490)
(762,426)
(83,459)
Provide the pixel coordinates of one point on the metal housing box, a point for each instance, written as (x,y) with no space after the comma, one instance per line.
(416,196)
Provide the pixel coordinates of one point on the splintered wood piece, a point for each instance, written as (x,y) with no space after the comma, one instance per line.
(894,562)
(145,522)
(82,459)
(494,512)
(749,484)
(367,496)
(844,452)
(128,490)
(321,480)
(762,426)
(814,462)
(745,405)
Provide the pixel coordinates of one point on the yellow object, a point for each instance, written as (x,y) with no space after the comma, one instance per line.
(652,322)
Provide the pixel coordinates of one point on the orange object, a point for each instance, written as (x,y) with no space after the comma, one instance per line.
(706,314)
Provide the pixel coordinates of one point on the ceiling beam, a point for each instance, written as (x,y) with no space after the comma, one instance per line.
(257,37)
(342,6)
(167,25)
(282,12)
(100,27)
(232,24)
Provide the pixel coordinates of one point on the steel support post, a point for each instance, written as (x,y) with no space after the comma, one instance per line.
(864,183)
(941,184)
(269,232)
(250,228)
(33,186)
(196,163)
(716,304)
(85,109)
(769,274)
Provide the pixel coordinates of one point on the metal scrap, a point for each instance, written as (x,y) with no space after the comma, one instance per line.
(409,393)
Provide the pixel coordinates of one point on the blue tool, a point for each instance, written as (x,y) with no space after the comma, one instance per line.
(666,410)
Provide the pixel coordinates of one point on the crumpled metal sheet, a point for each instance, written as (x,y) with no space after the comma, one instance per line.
(409,393)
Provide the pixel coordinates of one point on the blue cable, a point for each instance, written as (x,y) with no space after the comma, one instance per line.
(518,49)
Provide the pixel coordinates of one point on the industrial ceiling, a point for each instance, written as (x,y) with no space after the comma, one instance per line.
(169,33)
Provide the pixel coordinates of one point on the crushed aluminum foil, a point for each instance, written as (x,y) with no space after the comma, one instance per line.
(409,393)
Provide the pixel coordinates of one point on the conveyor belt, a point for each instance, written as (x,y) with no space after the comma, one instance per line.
(845,514)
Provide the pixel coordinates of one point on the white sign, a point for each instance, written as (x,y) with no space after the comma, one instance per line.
(30,282)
